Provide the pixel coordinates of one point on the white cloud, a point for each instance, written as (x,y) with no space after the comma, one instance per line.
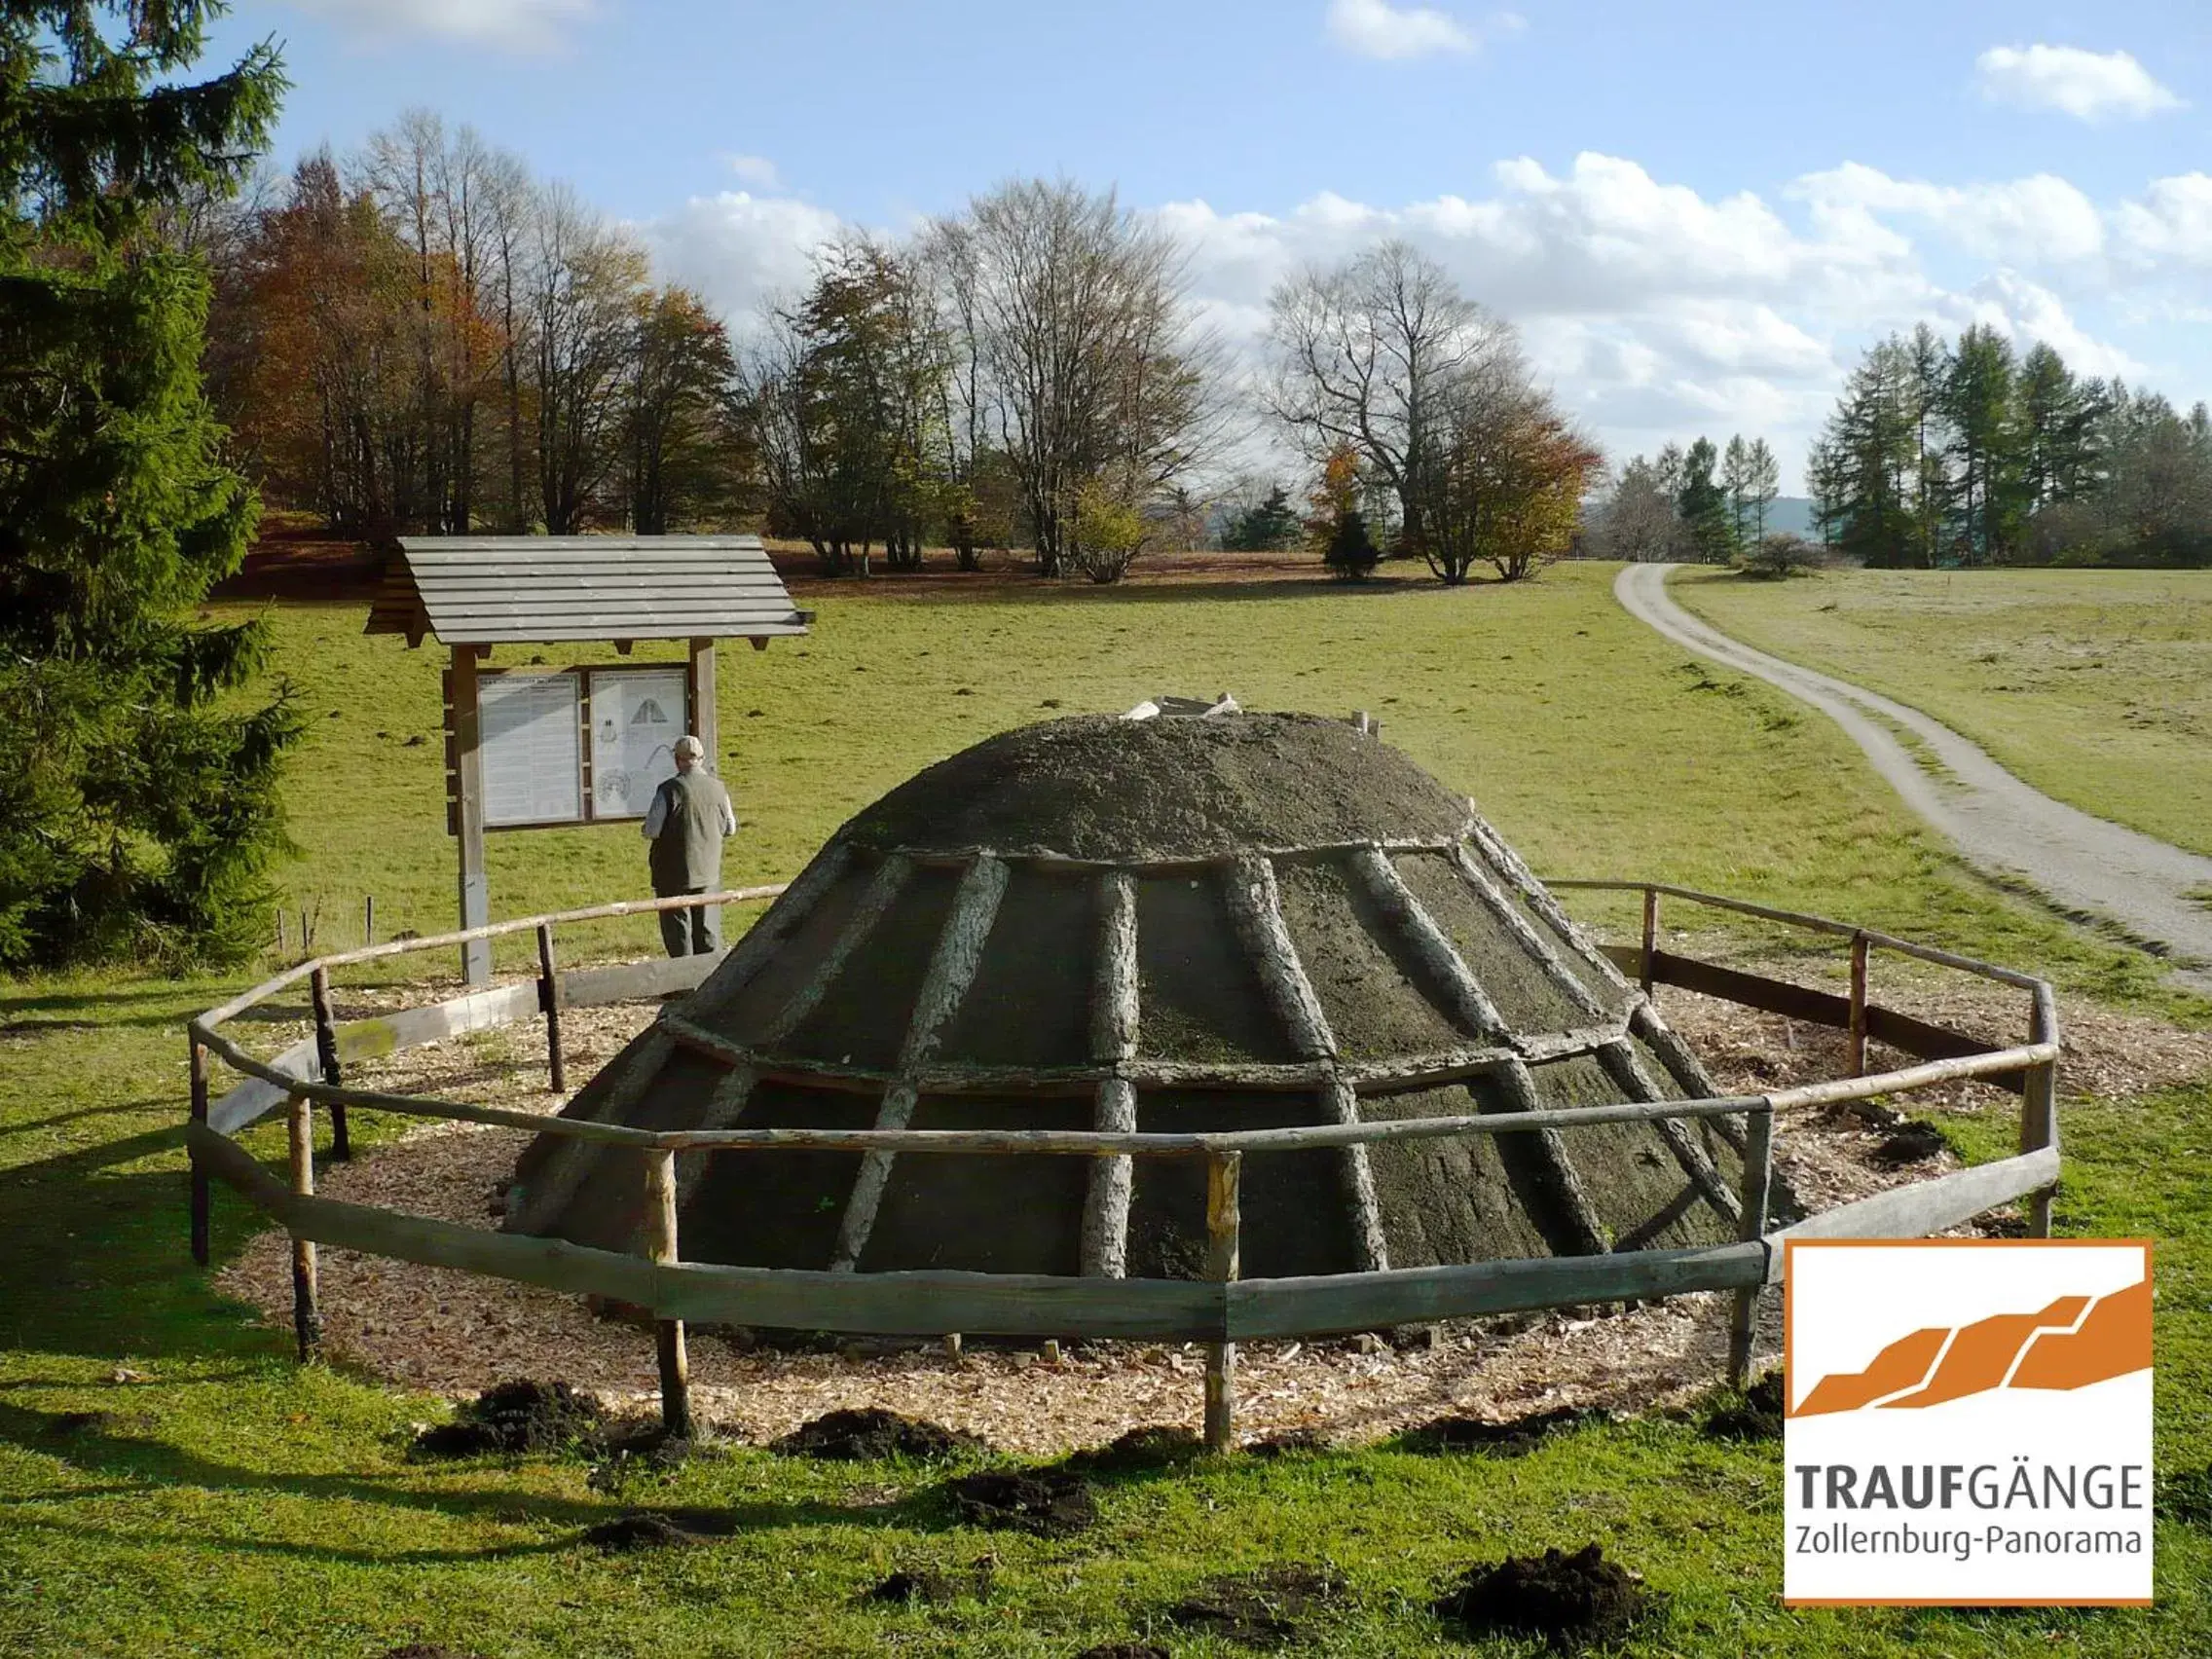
(1656,311)
(2040,219)
(758,171)
(2090,85)
(1374,28)
(2027,313)
(2172,223)
(739,249)
(513,26)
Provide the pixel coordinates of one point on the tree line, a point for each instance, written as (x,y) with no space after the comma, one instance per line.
(1966,453)
(1704,504)
(424,340)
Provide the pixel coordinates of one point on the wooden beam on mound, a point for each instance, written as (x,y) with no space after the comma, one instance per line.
(1681,1062)
(1255,906)
(1586,1233)
(1509,917)
(1359,1183)
(1105,1247)
(882,890)
(1627,1069)
(725,1104)
(1254,910)
(1466,999)
(1542,900)
(1104,1251)
(951,972)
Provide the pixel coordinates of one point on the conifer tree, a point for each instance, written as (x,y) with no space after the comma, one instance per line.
(138,804)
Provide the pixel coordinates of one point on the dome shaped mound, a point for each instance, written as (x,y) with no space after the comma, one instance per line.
(1099,787)
(1182,924)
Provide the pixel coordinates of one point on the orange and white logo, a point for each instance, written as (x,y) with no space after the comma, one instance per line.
(1969,1421)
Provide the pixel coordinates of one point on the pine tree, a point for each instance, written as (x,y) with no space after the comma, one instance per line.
(1703,504)
(1764,483)
(138,803)
(1268,527)
(1978,405)
(1736,481)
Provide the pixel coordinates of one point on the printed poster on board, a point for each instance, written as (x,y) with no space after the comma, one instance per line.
(636,715)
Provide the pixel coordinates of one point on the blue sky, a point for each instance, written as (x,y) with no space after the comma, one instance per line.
(1697,214)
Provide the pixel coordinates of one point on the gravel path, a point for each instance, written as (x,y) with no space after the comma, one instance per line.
(2084,865)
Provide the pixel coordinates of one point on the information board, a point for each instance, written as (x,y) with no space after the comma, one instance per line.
(533,751)
(636,715)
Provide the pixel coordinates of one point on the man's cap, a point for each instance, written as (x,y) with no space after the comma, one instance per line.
(689,745)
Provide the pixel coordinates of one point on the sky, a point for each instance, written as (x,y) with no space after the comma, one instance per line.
(1697,215)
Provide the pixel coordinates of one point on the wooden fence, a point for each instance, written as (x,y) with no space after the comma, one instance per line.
(1220,1309)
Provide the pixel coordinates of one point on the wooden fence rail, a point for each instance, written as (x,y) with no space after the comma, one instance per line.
(1220,1309)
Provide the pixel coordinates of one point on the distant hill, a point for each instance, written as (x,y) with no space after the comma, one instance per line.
(1790,515)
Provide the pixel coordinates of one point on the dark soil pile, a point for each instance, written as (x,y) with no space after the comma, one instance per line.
(867,1434)
(1291,1443)
(1100,787)
(1514,1438)
(1052,1505)
(1151,1446)
(1909,1142)
(1573,1600)
(1754,1414)
(906,1587)
(514,1417)
(1124,1650)
(1261,1609)
(643,1531)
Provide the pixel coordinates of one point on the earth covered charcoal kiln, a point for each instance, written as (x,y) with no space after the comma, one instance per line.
(1242,921)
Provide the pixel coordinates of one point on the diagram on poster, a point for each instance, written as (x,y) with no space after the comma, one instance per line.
(636,715)
(532,749)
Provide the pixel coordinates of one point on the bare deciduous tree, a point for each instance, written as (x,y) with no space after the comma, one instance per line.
(1081,352)
(1370,353)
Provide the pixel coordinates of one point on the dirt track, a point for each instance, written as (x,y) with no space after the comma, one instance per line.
(2082,863)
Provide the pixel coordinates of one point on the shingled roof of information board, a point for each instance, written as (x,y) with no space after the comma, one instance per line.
(518,589)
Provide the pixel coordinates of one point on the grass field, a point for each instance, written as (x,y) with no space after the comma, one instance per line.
(2093,685)
(214,1499)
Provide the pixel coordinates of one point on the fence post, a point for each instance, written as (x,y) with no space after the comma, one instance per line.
(368,918)
(1650,935)
(549,999)
(326,1054)
(660,1227)
(1859,1004)
(2039,1106)
(203,1190)
(1758,1171)
(1224,1225)
(306,1312)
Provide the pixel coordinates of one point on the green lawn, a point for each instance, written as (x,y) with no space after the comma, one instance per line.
(222,1501)
(2093,685)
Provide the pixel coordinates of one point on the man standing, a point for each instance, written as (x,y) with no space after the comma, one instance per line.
(685,826)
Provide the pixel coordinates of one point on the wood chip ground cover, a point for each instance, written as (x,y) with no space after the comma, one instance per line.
(454,1333)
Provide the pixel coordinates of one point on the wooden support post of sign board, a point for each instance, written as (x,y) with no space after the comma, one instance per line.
(466,737)
(706,726)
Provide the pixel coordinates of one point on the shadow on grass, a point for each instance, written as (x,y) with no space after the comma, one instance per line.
(88,1443)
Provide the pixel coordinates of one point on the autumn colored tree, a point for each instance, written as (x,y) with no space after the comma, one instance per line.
(1510,482)
(678,433)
